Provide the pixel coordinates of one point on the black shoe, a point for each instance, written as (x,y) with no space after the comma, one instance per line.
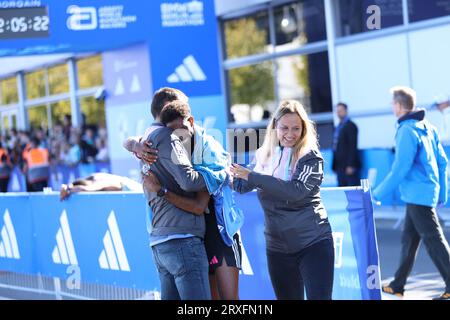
(444,296)
(389,290)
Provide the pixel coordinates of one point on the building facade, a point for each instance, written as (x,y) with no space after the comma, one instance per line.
(325,51)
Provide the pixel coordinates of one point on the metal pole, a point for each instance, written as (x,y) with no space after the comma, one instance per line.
(73,87)
(21,92)
(332,59)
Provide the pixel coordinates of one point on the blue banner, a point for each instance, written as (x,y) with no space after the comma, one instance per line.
(145,45)
(108,244)
(126,76)
(376,164)
(102,238)
(17,238)
(58,175)
(187,42)
(356,272)
(76,25)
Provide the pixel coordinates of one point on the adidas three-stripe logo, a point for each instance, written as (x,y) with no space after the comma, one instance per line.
(307,172)
(8,243)
(113,255)
(64,251)
(188,71)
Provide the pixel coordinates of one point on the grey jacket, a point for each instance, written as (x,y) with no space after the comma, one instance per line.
(295,217)
(175,172)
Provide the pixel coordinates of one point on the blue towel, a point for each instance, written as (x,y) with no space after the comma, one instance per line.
(211,161)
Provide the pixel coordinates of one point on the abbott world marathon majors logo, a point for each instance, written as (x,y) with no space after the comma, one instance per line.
(188,71)
(91,18)
(8,245)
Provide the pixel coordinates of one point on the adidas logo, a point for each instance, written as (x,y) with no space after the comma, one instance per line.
(8,244)
(120,86)
(113,255)
(214,260)
(64,251)
(188,71)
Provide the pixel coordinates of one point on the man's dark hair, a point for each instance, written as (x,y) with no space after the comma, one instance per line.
(164,96)
(174,110)
(344,105)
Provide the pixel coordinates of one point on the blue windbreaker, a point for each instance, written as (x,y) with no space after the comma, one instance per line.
(211,161)
(420,164)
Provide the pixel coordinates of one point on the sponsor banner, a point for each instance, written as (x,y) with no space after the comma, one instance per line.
(47,26)
(139,54)
(17,252)
(356,269)
(191,65)
(103,238)
(126,121)
(126,76)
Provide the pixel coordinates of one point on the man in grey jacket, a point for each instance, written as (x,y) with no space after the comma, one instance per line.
(177,236)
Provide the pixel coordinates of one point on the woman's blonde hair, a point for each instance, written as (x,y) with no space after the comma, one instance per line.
(306,142)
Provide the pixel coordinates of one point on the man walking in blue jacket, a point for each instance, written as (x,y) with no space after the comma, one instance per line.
(420,169)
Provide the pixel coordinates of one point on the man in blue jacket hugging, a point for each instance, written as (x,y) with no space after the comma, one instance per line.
(420,171)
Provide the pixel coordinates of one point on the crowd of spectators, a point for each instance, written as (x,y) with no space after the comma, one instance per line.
(67,145)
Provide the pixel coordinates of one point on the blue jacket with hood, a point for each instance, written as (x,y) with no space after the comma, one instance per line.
(212,161)
(420,164)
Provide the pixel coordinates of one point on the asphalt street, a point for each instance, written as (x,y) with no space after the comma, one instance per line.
(425,281)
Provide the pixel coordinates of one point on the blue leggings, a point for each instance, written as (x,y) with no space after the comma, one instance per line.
(311,269)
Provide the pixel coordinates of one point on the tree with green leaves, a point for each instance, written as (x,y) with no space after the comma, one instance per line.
(252,84)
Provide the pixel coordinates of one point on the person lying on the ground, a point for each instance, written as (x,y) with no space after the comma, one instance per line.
(99,182)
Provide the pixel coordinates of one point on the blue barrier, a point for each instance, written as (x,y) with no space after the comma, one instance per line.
(376,164)
(356,273)
(101,233)
(380,161)
(58,175)
(104,236)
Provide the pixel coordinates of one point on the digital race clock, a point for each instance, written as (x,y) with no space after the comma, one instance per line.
(20,23)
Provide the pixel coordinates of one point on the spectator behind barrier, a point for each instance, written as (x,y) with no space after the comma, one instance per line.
(62,150)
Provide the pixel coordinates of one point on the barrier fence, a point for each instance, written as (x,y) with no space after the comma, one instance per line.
(95,245)
(58,175)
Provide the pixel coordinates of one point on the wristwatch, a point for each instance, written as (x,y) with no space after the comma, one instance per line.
(162,192)
(145,169)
